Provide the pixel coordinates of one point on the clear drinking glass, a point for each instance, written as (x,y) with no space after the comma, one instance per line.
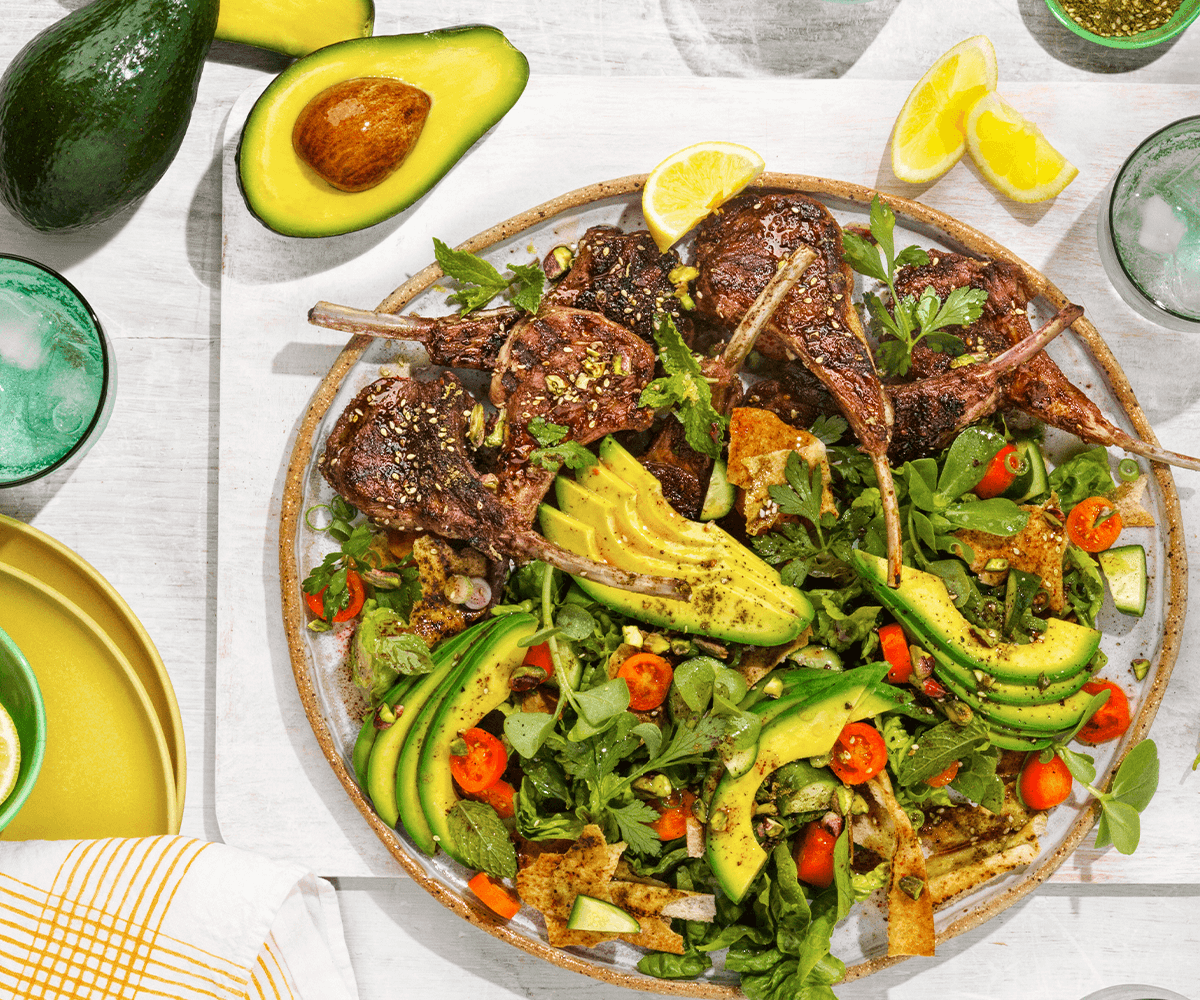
(1134,991)
(1150,227)
(57,380)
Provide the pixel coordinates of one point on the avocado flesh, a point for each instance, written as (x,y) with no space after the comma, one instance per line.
(388,744)
(733,851)
(1004,692)
(94,109)
(480,686)
(473,76)
(923,605)
(1031,719)
(618,526)
(716,606)
(294,27)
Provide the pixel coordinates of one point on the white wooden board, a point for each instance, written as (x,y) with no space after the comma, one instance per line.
(274,790)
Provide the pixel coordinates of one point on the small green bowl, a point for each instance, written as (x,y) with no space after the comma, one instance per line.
(1188,11)
(21,696)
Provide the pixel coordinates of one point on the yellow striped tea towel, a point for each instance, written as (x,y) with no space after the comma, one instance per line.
(136,918)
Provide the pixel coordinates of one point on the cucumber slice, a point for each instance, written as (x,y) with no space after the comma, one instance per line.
(1124,567)
(591,914)
(718,501)
(1034,481)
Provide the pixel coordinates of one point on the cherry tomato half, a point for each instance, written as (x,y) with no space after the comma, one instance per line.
(1093,524)
(539,656)
(501,796)
(894,644)
(814,856)
(943,778)
(358,594)
(1004,467)
(1111,719)
(649,679)
(1043,786)
(859,753)
(673,815)
(483,763)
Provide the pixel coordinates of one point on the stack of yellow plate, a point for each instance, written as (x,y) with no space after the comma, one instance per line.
(114,763)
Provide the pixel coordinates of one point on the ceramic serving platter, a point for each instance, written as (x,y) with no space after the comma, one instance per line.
(334,708)
(107,770)
(25,548)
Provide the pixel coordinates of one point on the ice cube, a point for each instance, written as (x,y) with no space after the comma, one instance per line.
(1183,274)
(24,332)
(1161,228)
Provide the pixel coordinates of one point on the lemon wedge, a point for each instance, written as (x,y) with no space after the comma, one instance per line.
(689,184)
(10,754)
(929,136)
(1013,154)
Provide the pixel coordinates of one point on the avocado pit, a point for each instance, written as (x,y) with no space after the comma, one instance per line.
(357,132)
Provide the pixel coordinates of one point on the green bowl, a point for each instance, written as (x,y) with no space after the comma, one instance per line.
(21,696)
(1188,11)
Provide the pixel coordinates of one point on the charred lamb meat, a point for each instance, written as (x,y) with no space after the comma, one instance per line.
(737,253)
(1039,387)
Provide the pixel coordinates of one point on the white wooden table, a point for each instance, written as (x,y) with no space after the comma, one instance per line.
(143,506)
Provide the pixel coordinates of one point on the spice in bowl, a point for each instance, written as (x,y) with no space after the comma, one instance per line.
(1120,18)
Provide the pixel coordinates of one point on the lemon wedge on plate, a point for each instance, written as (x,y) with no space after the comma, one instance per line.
(689,184)
(1013,154)
(929,135)
(10,754)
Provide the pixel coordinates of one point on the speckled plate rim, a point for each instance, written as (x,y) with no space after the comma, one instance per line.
(117,661)
(26,548)
(1173,576)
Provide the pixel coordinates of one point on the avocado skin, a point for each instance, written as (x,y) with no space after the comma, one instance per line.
(94,109)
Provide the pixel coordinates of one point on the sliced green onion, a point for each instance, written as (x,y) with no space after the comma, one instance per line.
(309,521)
(1128,470)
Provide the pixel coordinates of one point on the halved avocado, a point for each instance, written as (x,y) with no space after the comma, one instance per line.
(294,27)
(472,75)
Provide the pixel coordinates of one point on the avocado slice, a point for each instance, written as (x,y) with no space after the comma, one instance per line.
(923,606)
(389,743)
(809,730)
(1027,718)
(988,688)
(294,27)
(480,685)
(719,604)
(94,109)
(472,76)
(364,743)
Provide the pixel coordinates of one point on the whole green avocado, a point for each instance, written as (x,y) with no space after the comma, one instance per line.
(94,109)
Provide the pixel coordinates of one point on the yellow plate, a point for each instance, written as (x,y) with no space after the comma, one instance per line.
(107,771)
(25,548)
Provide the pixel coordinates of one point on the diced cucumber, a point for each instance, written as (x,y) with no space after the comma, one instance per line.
(591,914)
(1124,567)
(1034,481)
(718,501)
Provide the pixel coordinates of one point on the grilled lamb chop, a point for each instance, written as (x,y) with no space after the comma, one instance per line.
(928,413)
(738,251)
(398,453)
(1039,388)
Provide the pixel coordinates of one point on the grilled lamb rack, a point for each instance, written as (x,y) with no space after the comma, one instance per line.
(928,413)
(737,253)
(1039,388)
(398,452)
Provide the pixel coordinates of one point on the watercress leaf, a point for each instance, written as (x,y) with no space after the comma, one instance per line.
(599,704)
(967,460)
(1136,779)
(482,838)
(920,491)
(650,734)
(922,528)
(574,622)
(527,731)
(1081,765)
(1120,825)
(693,682)
(862,255)
(997,516)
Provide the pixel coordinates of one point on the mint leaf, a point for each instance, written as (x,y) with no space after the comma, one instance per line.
(555,452)
(481,282)
(527,731)
(482,839)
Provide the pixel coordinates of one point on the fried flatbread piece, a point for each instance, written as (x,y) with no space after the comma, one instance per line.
(552,881)
(1037,548)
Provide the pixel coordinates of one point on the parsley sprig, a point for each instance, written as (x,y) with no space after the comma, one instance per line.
(685,389)
(480,282)
(911,319)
